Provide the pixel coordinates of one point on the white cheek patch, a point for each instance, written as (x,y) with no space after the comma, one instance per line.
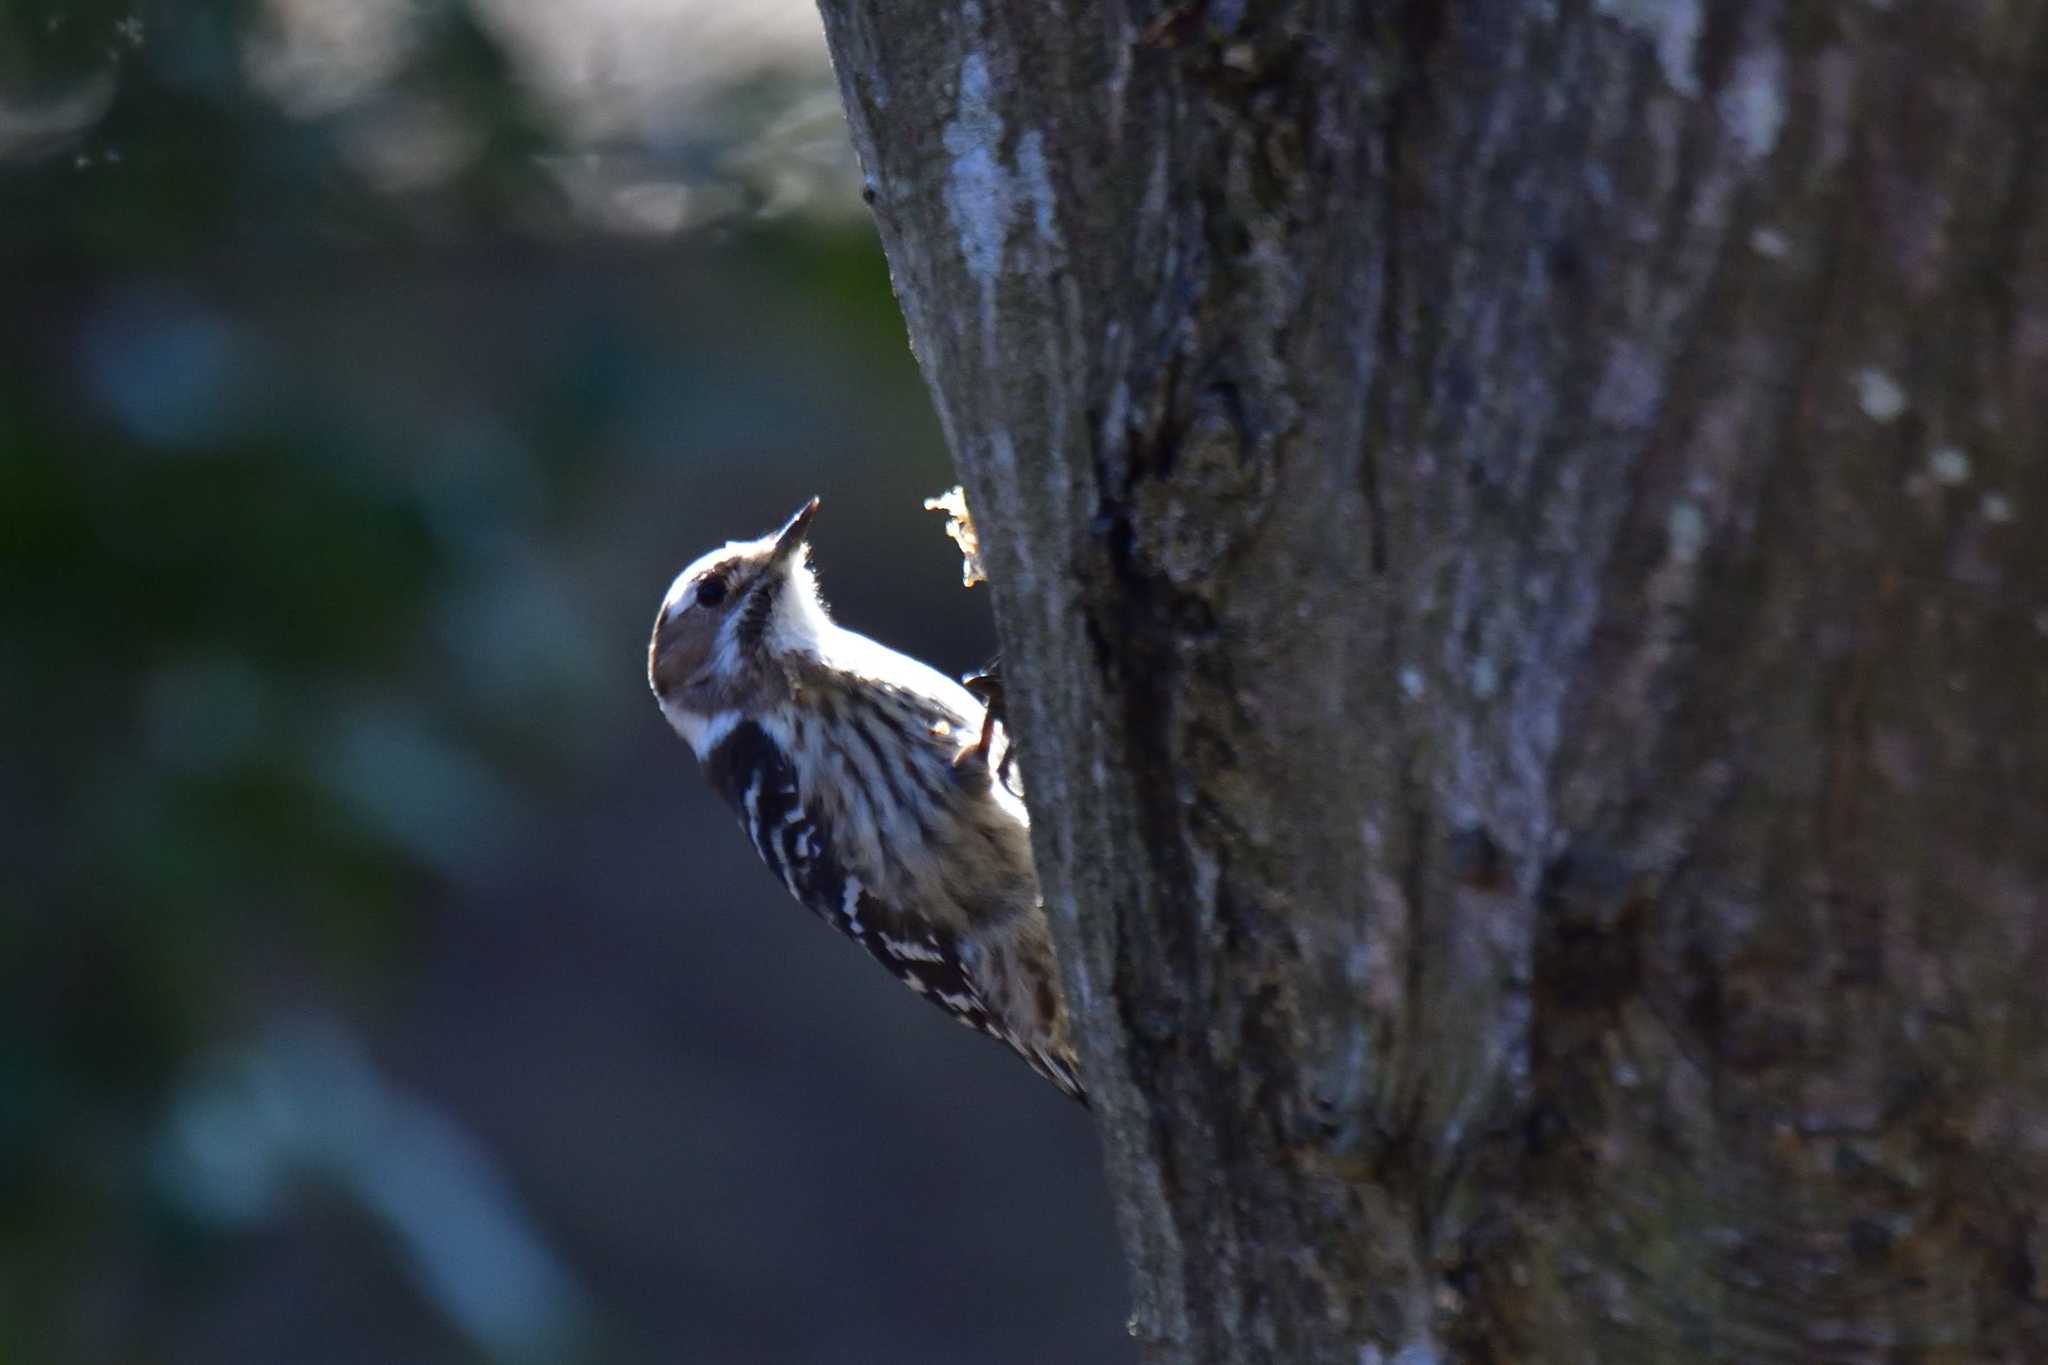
(701,732)
(799,625)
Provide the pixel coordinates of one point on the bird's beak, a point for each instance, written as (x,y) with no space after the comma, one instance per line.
(790,538)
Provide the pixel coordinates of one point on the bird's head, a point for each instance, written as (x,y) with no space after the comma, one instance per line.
(729,625)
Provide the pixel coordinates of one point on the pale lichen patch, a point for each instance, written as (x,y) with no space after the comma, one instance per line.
(1630,388)
(1770,243)
(1752,104)
(1686,528)
(1949,465)
(1485,677)
(985,194)
(1879,395)
(979,195)
(1037,186)
(1673,28)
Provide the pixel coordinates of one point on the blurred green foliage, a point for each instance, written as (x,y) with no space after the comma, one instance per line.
(208,163)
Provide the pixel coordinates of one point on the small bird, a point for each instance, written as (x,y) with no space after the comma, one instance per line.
(867,783)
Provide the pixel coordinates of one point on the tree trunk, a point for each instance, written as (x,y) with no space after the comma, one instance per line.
(1517,533)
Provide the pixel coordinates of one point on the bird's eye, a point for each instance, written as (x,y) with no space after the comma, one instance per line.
(711,591)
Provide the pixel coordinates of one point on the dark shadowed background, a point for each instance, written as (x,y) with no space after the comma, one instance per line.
(378,981)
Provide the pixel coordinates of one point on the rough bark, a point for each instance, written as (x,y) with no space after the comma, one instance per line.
(1516,530)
